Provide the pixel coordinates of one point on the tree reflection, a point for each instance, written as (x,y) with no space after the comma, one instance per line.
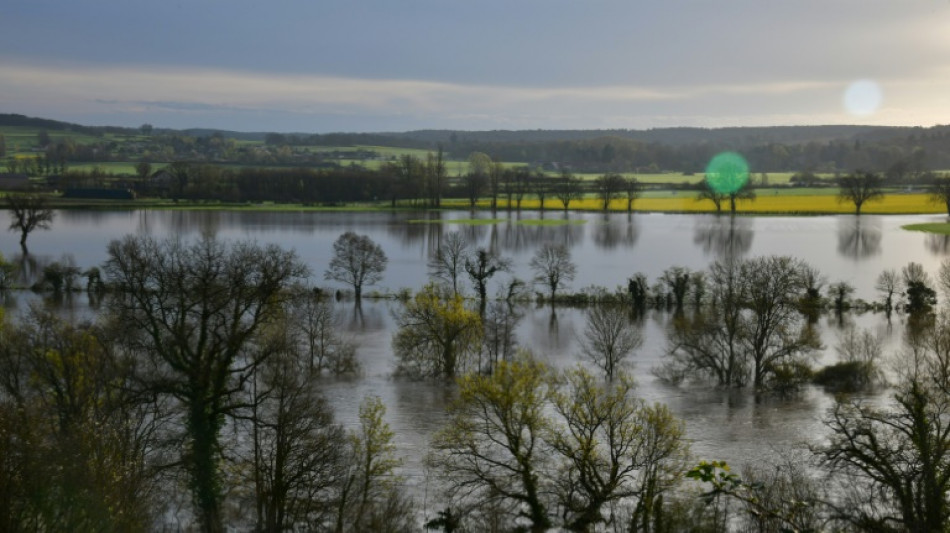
(611,232)
(186,222)
(859,237)
(725,237)
(937,244)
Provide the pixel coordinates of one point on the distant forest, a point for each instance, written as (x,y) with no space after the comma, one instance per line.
(899,152)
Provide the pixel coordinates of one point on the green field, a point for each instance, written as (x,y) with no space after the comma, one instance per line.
(943,228)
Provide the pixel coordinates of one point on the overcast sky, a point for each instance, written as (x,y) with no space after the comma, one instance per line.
(395,65)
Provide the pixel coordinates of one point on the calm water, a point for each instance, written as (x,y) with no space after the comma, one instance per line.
(728,425)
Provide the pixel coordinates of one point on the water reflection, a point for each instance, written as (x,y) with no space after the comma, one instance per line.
(200,222)
(611,232)
(726,237)
(937,244)
(859,237)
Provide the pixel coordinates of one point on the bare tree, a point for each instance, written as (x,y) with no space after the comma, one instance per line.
(553,267)
(706,192)
(193,310)
(567,189)
(357,261)
(632,189)
(940,191)
(743,193)
(499,340)
(889,283)
(893,461)
(448,262)
(859,188)
(755,328)
(28,212)
(609,338)
(316,329)
(297,456)
(608,187)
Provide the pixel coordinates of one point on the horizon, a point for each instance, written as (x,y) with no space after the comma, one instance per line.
(338,66)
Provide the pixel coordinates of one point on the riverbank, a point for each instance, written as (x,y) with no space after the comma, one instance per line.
(767,202)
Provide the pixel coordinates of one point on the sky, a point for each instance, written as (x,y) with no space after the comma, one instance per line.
(317,66)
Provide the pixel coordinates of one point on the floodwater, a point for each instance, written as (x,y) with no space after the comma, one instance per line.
(607,249)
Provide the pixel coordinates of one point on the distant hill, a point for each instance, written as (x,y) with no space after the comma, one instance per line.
(829,148)
(681,136)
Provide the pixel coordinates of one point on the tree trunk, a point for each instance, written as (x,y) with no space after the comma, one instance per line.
(205,487)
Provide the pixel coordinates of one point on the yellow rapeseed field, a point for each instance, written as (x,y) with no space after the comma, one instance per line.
(764,204)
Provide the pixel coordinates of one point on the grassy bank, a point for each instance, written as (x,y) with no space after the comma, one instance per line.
(942,228)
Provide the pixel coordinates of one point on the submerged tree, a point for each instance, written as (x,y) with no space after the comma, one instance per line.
(370,497)
(297,456)
(28,212)
(315,328)
(448,262)
(553,267)
(481,266)
(893,461)
(437,334)
(609,338)
(557,450)
(357,261)
(754,330)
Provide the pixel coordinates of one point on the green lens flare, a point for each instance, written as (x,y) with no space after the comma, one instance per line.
(727,172)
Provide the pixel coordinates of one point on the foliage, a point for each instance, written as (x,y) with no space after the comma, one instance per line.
(889,283)
(74,436)
(437,334)
(608,187)
(782,499)
(921,297)
(512,430)
(8,273)
(499,340)
(370,498)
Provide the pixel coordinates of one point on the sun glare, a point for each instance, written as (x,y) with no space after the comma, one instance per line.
(862,98)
